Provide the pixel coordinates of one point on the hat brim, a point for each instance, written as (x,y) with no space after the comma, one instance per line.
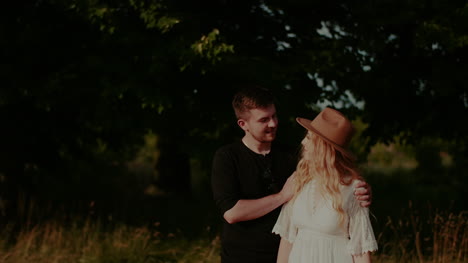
(306,123)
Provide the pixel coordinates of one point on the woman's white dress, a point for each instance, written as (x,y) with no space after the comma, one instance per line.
(312,226)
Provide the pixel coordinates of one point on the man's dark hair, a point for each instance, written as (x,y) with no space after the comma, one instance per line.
(251,97)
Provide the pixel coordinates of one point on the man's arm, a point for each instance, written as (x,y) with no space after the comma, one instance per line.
(245,210)
(363,193)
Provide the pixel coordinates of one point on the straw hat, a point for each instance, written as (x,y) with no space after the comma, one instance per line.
(332,126)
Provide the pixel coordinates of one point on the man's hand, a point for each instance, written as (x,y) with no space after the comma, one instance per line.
(288,189)
(363,193)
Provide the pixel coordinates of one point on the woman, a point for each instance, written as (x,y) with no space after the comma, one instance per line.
(324,222)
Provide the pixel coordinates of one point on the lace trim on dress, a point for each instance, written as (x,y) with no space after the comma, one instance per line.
(370,246)
(362,238)
(290,236)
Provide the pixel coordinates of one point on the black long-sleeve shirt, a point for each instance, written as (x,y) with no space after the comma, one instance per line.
(239,173)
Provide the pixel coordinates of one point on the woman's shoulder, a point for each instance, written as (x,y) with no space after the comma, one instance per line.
(351,182)
(356,181)
(349,187)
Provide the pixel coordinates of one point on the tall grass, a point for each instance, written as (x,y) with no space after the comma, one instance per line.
(438,237)
(90,242)
(432,237)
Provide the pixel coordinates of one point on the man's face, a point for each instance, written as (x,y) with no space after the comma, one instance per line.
(261,123)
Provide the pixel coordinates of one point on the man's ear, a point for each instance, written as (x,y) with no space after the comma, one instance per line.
(243,124)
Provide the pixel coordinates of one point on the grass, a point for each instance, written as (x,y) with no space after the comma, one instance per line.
(405,233)
(414,237)
(439,237)
(90,242)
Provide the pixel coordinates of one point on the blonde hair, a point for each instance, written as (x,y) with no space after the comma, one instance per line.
(320,161)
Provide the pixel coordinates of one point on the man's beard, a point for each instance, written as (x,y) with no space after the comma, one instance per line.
(268,136)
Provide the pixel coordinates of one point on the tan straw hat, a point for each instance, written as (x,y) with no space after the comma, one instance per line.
(332,126)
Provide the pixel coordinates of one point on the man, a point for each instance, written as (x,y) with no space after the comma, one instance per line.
(251,181)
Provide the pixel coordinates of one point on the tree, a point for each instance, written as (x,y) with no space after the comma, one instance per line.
(84,80)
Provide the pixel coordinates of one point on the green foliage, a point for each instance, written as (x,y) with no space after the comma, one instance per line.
(206,47)
(359,145)
(153,14)
(84,81)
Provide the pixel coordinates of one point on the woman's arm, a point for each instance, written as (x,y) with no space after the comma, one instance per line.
(363,193)
(283,251)
(363,258)
(362,239)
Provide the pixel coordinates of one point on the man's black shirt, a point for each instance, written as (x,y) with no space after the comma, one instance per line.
(239,173)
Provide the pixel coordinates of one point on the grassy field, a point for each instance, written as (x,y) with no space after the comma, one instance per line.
(90,242)
(442,237)
(431,228)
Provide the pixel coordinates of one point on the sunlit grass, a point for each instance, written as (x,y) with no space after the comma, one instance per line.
(92,243)
(436,238)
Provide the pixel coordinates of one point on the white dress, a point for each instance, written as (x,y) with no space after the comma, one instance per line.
(312,226)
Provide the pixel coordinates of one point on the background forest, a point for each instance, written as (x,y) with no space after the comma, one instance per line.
(111,111)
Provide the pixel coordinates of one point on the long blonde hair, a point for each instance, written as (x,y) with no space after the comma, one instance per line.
(320,161)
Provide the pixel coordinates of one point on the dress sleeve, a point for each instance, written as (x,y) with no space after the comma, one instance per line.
(284,224)
(362,238)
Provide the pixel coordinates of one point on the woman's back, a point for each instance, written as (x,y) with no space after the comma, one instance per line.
(311,223)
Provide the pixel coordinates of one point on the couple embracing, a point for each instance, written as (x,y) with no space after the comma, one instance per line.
(283,205)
